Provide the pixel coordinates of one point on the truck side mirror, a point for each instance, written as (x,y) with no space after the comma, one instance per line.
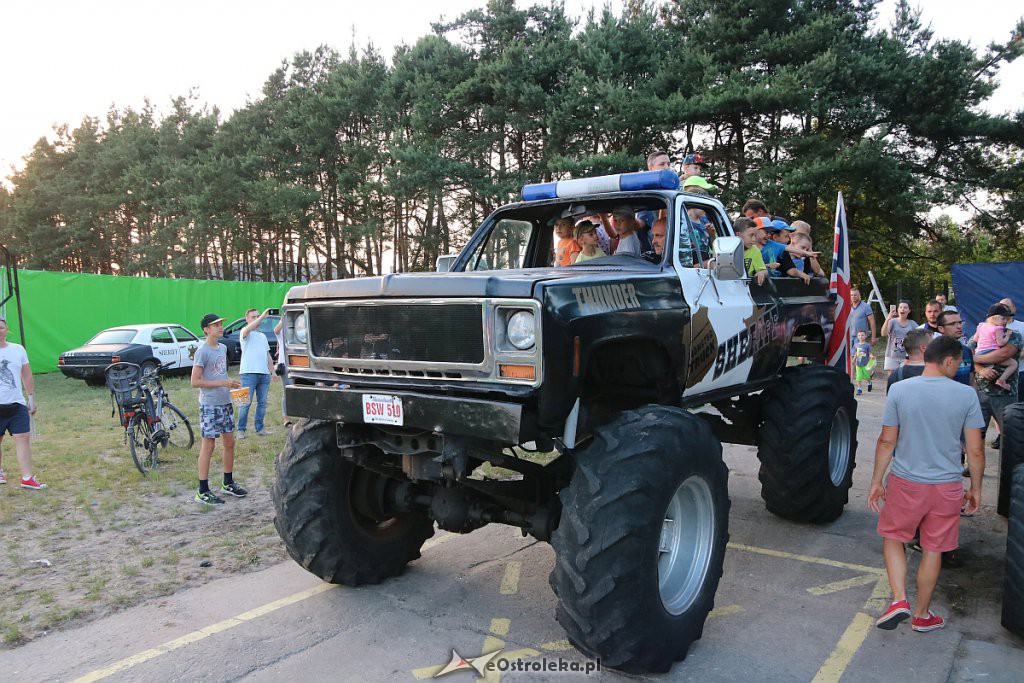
(728,255)
(444,263)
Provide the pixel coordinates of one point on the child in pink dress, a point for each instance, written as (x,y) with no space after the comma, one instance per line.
(992,335)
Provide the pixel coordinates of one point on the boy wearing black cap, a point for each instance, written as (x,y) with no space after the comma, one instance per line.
(216,414)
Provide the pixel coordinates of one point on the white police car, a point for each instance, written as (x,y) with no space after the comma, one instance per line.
(146,345)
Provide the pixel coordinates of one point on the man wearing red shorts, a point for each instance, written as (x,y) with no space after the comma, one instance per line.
(921,428)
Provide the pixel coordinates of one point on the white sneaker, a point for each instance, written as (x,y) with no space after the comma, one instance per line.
(265,432)
(240,435)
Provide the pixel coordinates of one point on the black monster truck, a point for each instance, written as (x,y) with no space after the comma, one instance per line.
(412,382)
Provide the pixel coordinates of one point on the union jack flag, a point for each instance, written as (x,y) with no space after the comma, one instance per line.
(839,284)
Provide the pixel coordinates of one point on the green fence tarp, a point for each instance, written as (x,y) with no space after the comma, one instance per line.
(64,310)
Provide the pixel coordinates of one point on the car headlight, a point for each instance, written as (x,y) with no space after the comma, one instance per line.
(298,330)
(520,330)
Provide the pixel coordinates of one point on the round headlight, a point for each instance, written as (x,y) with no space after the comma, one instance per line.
(300,329)
(520,330)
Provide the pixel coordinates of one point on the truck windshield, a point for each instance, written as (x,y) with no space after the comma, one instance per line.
(505,248)
(533,235)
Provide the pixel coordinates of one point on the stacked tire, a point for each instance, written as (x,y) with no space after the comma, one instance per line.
(1013,576)
(1011,504)
(1011,452)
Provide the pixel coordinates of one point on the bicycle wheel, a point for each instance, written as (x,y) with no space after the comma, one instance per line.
(141,444)
(179,431)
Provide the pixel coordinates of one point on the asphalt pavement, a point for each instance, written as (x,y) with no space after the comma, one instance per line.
(796,603)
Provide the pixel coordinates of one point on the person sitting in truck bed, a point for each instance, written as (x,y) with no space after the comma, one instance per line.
(747,230)
(807,267)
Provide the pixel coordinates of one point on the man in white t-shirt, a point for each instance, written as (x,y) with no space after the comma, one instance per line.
(15,411)
(257,367)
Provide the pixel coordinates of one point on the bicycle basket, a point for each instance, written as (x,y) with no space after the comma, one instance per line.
(124,382)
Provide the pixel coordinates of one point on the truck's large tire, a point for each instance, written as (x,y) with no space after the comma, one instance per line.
(808,444)
(1013,575)
(321,528)
(1011,453)
(633,587)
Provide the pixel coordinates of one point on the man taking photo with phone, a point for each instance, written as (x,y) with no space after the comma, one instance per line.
(255,371)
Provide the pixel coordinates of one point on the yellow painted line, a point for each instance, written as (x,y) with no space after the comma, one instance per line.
(725,611)
(229,623)
(427,671)
(510,582)
(206,632)
(837,586)
(807,558)
(879,599)
(564,645)
(490,645)
(437,541)
(499,627)
(851,640)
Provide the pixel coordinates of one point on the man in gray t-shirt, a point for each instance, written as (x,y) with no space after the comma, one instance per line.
(216,414)
(861,317)
(924,419)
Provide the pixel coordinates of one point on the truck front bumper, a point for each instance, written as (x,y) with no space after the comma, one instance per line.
(493,420)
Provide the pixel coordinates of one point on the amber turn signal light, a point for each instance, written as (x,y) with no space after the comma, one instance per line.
(298,361)
(517,371)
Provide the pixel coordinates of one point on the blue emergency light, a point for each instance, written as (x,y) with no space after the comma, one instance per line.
(664,179)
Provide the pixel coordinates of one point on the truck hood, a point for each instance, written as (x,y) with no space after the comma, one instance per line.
(486,283)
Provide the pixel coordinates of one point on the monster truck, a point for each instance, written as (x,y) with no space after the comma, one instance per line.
(420,390)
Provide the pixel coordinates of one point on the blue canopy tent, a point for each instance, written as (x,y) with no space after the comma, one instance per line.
(979,285)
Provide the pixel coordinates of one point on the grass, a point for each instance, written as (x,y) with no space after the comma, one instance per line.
(113,537)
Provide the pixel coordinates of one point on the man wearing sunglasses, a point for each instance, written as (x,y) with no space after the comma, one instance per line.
(950,324)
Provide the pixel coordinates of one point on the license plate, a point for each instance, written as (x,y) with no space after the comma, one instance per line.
(382,409)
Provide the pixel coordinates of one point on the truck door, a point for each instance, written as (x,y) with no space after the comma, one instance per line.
(728,321)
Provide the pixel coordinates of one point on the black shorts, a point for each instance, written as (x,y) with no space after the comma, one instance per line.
(17,422)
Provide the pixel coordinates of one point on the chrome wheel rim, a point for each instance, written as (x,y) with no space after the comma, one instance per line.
(685,544)
(839,447)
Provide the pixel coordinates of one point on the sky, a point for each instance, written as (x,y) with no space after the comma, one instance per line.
(64,60)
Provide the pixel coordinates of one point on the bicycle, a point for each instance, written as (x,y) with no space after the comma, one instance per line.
(141,401)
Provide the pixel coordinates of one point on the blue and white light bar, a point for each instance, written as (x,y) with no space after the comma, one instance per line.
(664,179)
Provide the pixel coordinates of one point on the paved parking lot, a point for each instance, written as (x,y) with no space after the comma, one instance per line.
(796,603)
